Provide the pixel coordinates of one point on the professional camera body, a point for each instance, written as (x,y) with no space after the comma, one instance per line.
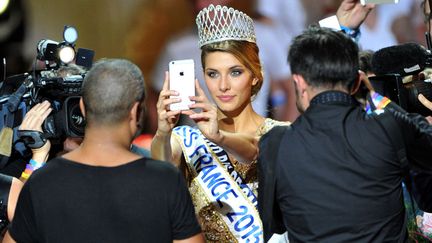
(404,93)
(401,75)
(58,81)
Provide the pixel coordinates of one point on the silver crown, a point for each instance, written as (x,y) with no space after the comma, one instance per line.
(219,23)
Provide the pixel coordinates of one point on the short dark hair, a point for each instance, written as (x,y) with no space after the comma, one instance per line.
(110,89)
(325,58)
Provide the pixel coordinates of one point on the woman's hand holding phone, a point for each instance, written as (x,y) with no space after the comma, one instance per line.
(167,118)
(206,118)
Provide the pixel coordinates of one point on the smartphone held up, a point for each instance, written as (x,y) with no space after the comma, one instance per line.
(182,80)
(364,2)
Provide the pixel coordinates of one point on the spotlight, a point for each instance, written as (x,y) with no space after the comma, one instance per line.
(66,54)
(61,53)
(4,4)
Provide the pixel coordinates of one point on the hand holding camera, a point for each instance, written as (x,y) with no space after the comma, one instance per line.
(428,104)
(30,131)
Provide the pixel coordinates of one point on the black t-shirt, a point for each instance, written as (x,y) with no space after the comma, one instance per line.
(141,201)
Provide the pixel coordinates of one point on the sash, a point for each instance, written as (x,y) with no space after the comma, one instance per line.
(233,199)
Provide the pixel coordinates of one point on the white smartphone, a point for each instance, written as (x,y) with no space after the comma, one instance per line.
(364,2)
(182,80)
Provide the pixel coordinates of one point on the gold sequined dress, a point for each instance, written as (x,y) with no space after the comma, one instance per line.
(214,228)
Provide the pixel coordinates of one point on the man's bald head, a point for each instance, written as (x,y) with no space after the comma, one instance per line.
(110,89)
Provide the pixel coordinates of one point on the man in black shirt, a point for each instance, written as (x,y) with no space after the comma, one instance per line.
(102,192)
(337,172)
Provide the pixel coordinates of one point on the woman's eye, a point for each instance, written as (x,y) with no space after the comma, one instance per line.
(236,73)
(212,74)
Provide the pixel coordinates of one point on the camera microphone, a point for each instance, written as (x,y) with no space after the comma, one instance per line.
(404,59)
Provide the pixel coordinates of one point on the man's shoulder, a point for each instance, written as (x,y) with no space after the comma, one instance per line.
(57,163)
(63,170)
(161,166)
(269,124)
(274,135)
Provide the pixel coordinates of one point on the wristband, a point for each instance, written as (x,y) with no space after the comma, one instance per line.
(36,165)
(31,167)
(353,33)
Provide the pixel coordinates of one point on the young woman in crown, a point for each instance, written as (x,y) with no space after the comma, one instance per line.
(219,154)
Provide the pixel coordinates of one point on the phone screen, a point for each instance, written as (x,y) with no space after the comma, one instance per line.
(364,2)
(182,80)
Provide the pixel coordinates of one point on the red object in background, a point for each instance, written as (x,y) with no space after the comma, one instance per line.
(143,141)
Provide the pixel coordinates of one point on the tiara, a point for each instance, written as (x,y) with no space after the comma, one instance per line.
(219,23)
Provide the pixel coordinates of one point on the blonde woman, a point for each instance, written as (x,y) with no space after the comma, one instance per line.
(219,154)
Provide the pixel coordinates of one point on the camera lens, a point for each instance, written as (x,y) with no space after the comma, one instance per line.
(75,119)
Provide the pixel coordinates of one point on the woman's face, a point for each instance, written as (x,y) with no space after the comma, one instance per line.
(228,81)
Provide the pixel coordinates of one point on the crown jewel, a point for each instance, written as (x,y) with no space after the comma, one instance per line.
(219,23)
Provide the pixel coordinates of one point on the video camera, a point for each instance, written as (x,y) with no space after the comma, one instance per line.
(404,93)
(398,75)
(58,81)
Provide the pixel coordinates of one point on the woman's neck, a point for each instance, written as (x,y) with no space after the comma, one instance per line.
(246,121)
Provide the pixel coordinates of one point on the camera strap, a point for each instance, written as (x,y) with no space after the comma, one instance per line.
(32,139)
(375,102)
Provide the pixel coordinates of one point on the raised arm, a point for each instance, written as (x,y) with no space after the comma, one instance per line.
(351,13)
(163,147)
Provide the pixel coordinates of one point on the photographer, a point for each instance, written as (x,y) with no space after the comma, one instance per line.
(89,190)
(337,171)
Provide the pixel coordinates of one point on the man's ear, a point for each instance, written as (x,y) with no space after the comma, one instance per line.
(362,78)
(134,112)
(300,82)
(82,107)
(357,82)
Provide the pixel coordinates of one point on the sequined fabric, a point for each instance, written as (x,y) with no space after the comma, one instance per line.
(213,226)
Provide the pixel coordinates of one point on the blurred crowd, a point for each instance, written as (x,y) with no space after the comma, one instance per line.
(170,34)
